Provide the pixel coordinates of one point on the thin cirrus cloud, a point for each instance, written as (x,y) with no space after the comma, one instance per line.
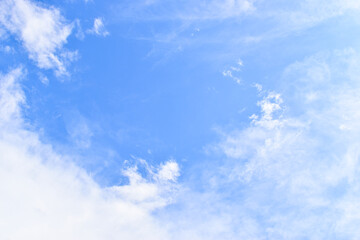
(184,10)
(283,18)
(296,16)
(42,32)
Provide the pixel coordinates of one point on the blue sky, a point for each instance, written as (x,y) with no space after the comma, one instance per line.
(232,119)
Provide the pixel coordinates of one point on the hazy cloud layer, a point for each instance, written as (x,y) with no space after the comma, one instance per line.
(298,162)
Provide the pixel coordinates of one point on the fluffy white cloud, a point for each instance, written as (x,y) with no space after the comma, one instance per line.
(45,196)
(168,171)
(42,31)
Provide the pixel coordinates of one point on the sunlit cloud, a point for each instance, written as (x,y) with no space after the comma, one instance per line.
(42,32)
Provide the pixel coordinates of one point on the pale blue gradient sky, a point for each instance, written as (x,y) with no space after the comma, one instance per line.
(218,119)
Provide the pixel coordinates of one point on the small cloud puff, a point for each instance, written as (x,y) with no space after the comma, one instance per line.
(169,171)
(98,28)
(230,72)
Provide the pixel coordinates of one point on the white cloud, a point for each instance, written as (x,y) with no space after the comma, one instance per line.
(10,98)
(312,12)
(294,16)
(230,72)
(45,196)
(297,165)
(153,192)
(79,32)
(168,171)
(232,25)
(42,32)
(98,28)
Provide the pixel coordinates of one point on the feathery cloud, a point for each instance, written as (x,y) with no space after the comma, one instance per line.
(297,163)
(98,28)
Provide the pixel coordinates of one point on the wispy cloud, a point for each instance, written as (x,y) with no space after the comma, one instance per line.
(185,10)
(305,14)
(230,72)
(98,28)
(297,163)
(42,32)
(79,129)
(255,21)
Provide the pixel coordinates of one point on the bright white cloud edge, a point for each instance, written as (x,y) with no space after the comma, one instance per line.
(45,196)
